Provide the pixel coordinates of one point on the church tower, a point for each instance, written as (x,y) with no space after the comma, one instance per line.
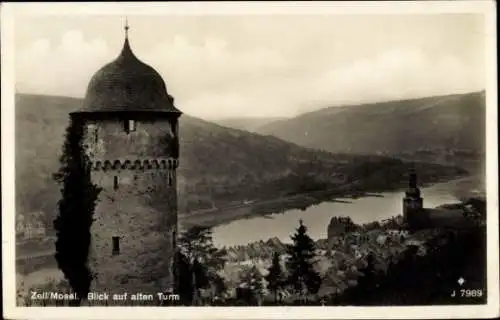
(131,140)
(412,202)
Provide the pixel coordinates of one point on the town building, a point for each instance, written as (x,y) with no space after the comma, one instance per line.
(30,226)
(414,214)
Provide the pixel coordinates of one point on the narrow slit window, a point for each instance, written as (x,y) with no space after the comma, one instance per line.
(96,136)
(116,246)
(115,183)
(169,178)
(130,126)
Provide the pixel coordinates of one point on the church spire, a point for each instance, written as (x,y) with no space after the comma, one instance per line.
(413,177)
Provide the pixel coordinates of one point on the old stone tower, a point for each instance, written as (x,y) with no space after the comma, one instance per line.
(131,138)
(412,202)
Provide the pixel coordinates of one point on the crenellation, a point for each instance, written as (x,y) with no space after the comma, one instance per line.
(144,165)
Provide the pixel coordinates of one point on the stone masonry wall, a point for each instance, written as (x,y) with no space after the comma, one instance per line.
(138,204)
(108,140)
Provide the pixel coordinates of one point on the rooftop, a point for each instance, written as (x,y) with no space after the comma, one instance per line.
(127,84)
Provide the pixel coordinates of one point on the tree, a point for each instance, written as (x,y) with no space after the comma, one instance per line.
(219,286)
(300,264)
(275,277)
(252,280)
(366,280)
(201,278)
(76,209)
(206,260)
(183,278)
(197,242)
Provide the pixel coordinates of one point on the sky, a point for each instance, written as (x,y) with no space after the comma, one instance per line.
(223,66)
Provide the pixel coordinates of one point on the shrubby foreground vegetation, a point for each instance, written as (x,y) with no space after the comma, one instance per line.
(410,278)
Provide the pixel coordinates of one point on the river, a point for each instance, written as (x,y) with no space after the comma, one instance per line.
(316,218)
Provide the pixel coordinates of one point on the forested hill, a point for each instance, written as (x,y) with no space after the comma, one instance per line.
(218,165)
(446,129)
(247,124)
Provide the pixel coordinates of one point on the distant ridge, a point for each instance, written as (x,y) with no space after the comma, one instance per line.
(247,124)
(440,125)
(397,102)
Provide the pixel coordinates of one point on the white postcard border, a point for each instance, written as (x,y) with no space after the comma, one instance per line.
(8,12)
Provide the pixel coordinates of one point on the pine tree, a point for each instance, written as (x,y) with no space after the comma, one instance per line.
(198,243)
(300,264)
(200,278)
(183,278)
(251,279)
(275,277)
(206,260)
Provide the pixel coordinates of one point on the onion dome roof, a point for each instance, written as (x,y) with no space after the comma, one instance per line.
(127,84)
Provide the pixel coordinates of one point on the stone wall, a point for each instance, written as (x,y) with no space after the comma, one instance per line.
(108,139)
(138,204)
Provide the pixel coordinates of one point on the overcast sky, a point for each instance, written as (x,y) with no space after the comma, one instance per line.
(234,66)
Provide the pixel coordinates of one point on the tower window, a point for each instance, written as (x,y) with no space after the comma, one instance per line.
(116,246)
(169,179)
(96,135)
(115,183)
(130,126)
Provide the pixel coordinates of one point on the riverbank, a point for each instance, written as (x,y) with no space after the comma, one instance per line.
(419,268)
(432,255)
(398,257)
(276,207)
(219,216)
(348,250)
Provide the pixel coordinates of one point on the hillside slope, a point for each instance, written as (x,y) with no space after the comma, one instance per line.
(438,129)
(218,165)
(247,124)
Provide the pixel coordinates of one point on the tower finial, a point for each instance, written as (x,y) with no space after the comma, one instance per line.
(126,51)
(126,27)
